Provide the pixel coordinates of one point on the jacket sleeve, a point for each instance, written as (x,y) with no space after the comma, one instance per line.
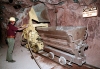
(14,28)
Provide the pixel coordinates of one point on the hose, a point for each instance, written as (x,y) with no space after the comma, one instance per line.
(32,56)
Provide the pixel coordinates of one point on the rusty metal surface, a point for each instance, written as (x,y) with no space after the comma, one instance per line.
(42,59)
(68,39)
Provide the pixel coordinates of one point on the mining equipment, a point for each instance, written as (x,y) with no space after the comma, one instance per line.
(68,43)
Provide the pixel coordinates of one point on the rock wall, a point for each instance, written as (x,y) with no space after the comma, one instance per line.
(70,14)
(18,9)
(65,13)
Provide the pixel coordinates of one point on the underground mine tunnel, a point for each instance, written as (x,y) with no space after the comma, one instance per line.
(49,34)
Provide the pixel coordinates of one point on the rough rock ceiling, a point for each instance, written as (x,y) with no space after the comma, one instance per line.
(17,6)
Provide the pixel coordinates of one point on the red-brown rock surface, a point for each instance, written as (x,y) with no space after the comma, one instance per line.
(66,14)
(70,14)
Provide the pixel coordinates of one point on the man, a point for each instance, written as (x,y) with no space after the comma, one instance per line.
(11,33)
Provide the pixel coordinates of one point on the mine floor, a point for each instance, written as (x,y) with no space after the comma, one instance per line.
(22,57)
(24,61)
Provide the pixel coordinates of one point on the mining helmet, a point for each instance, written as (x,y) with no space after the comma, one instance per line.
(12,19)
